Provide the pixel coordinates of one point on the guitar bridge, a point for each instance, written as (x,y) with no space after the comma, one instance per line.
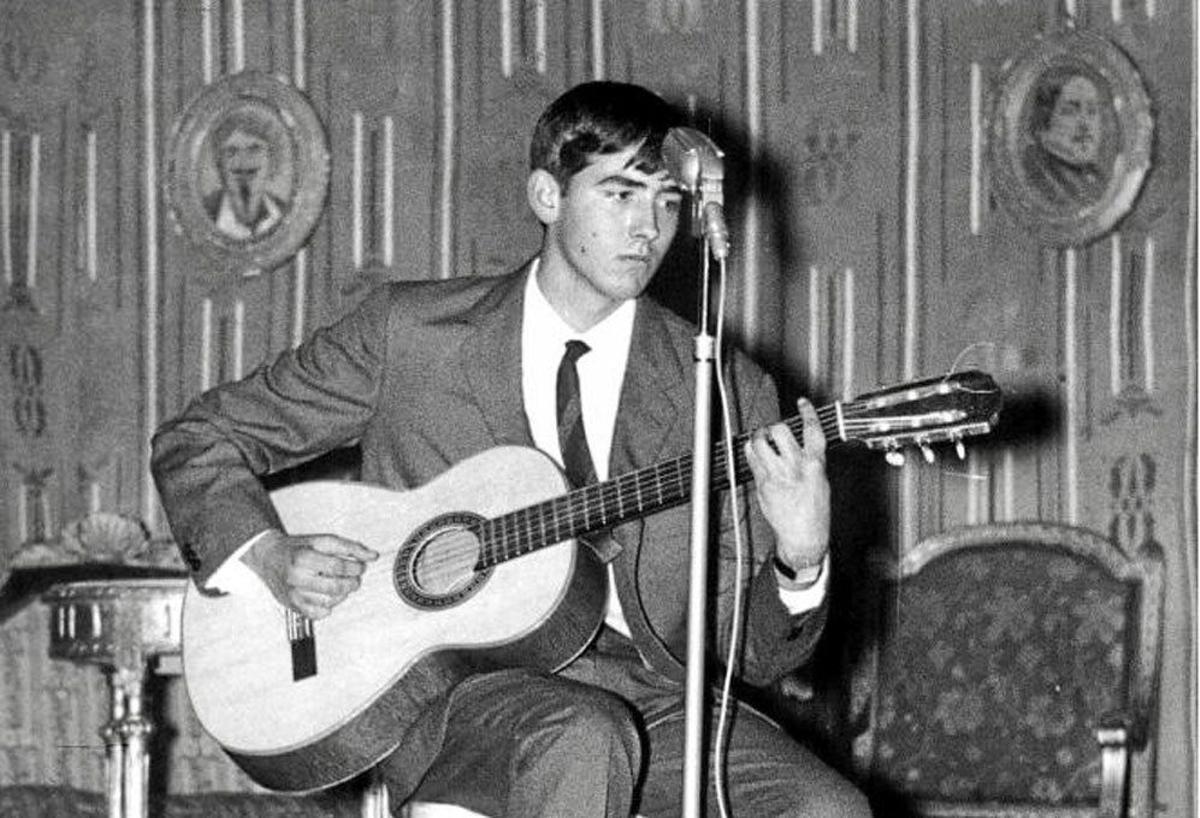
(304,646)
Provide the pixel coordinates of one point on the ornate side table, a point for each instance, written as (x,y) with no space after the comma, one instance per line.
(125,625)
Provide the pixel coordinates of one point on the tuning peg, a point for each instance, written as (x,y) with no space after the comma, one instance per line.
(960,450)
(927,453)
(894,458)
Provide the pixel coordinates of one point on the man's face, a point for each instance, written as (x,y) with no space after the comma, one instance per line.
(1073,133)
(614,225)
(245,163)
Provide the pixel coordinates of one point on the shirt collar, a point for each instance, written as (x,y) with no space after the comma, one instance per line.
(610,335)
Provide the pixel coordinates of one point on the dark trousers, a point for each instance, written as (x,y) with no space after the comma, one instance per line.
(604,737)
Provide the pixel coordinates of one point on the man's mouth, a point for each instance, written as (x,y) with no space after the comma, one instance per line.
(638,261)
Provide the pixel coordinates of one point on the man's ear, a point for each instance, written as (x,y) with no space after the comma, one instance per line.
(544,194)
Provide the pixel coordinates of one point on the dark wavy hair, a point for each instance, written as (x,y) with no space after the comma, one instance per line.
(1046,93)
(248,120)
(597,118)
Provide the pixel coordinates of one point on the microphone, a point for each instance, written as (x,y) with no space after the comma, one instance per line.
(695,162)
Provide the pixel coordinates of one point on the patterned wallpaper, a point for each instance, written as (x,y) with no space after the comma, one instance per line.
(873,242)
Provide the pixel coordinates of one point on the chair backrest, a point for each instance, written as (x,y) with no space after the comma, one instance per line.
(1000,650)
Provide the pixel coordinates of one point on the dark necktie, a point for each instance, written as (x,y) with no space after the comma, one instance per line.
(577,458)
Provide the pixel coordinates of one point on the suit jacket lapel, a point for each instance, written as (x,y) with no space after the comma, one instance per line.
(655,409)
(492,362)
(656,395)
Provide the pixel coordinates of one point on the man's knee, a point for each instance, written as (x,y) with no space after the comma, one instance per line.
(593,724)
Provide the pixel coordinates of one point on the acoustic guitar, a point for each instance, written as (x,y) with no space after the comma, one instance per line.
(478,568)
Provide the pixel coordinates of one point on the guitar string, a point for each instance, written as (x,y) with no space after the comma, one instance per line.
(578,508)
(524,530)
(596,499)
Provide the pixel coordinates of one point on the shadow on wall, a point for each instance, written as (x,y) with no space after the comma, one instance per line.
(678,282)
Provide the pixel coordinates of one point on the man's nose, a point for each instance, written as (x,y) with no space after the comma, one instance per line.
(644,222)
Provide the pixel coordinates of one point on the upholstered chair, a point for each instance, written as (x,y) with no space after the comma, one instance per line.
(1012,673)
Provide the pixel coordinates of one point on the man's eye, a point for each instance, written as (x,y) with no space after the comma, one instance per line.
(672,205)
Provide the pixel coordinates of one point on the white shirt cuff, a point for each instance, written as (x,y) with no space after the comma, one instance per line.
(803,600)
(234,576)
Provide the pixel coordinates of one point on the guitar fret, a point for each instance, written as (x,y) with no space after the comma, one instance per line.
(564,521)
(519,538)
(571,522)
(530,522)
(602,507)
(561,526)
(495,542)
(506,536)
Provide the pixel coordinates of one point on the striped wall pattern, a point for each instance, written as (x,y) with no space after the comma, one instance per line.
(869,245)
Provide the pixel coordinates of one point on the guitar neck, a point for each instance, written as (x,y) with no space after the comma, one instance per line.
(603,505)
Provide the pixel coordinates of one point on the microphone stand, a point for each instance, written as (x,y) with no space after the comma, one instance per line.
(704,355)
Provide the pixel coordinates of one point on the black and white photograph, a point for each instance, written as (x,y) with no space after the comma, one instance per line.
(599,409)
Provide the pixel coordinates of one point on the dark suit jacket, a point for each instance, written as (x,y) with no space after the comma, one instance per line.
(425,374)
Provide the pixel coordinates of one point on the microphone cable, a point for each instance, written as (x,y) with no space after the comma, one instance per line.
(720,739)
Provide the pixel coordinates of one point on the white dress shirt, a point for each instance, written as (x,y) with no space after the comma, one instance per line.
(544,335)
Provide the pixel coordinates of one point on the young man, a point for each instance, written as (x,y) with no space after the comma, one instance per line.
(425,375)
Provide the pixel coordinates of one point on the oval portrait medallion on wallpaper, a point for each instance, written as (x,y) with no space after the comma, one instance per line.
(248,167)
(1070,137)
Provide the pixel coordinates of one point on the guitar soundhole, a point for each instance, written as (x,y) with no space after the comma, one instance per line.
(436,566)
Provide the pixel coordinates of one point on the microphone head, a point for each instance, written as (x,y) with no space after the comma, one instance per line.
(692,158)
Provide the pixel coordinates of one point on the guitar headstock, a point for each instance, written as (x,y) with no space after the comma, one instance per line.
(921,413)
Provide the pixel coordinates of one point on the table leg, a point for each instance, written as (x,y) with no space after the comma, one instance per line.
(114,756)
(127,739)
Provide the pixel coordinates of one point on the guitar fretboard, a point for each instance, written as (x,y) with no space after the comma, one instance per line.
(606,504)
(936,409)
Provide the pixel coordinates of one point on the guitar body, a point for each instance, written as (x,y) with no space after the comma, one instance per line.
(477,569)
(422,621)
